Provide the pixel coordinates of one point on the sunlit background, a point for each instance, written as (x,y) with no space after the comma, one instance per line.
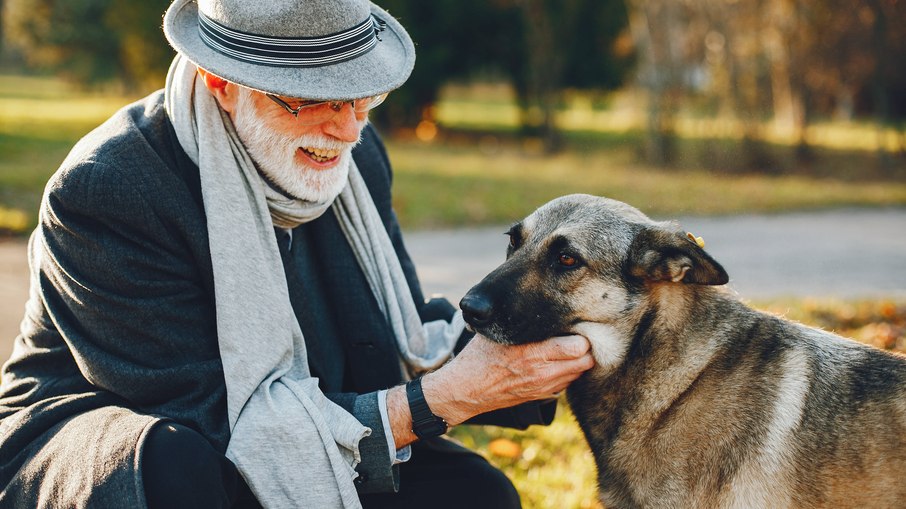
(676,106)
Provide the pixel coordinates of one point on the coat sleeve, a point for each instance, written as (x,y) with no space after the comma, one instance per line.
(121,281)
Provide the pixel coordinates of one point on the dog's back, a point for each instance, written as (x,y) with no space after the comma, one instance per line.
(696,400)
(747,410)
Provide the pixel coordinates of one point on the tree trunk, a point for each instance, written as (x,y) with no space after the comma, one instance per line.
(544,73)
(803,153)
(879,81)
(653,23)
(777,46)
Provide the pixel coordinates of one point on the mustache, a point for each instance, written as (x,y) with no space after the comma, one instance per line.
(272,138)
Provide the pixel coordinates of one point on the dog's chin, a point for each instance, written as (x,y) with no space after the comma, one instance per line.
(608,345)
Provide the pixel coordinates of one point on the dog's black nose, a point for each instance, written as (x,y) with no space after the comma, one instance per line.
(476,309)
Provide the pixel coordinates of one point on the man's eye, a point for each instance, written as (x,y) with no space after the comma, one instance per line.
(298,103)
(567,260)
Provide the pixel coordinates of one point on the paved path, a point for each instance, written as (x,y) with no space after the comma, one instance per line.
(13,292)
(844,253)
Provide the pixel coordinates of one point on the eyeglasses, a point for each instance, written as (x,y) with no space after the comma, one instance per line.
(316,112)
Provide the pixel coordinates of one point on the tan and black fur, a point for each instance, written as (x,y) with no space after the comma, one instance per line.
(696,400)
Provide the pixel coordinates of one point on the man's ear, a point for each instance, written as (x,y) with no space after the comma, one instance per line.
(226,93)
(658,254)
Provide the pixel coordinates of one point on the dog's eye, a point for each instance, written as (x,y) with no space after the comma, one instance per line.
(567,260)
(514,240)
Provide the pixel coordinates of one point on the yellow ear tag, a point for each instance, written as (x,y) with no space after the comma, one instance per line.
(698,240)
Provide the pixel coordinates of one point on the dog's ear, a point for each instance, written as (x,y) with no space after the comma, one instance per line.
(662,255)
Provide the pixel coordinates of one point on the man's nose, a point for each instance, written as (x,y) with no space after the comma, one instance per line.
(346,125)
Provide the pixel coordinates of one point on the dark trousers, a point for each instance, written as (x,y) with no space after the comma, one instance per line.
(443,475)
(180,469)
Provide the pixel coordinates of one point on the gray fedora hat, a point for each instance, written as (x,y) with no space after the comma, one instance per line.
(312,49)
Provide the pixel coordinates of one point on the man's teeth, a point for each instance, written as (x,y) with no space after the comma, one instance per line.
(321,155)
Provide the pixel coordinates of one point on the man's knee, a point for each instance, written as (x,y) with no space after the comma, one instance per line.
(494,487)
(453,480)
(181,469)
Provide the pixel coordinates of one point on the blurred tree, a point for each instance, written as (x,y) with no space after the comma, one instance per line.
(842,51)
(657,28)
(2,31)
(735,37)
(565,44)
(143,50)
(52,34)
(749,86)
(452,39)
(887,21)
(788,60)
(92,41)
(541,46)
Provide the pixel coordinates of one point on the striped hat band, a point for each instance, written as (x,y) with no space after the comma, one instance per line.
(291,51)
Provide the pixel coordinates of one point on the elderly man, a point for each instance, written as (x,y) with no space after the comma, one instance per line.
(222,312)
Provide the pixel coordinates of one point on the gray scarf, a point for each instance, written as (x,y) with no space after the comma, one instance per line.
(292,445)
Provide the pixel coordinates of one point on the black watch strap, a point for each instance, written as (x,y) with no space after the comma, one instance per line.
(424,423)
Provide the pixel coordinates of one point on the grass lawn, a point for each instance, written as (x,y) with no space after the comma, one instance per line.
(40,120)
(455,184)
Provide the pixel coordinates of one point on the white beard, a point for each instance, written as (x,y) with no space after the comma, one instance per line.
(274,153)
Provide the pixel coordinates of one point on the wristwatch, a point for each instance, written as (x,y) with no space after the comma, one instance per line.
(424,423)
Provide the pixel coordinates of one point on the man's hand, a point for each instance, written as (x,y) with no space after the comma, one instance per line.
(486,376)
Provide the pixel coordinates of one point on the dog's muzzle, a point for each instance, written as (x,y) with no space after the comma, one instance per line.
(477,309)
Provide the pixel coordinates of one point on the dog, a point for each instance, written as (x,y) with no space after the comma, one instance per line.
(696,400)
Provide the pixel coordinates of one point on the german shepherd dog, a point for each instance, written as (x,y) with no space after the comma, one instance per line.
(696,400)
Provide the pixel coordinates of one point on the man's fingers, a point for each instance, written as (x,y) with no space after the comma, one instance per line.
(585,362)
(575,367)
(562,372)
(565,347)
(572,370)
(568,371)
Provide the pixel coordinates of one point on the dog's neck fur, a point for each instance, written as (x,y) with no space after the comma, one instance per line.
(668,352)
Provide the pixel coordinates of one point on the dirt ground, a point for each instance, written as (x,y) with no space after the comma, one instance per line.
(13,292)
